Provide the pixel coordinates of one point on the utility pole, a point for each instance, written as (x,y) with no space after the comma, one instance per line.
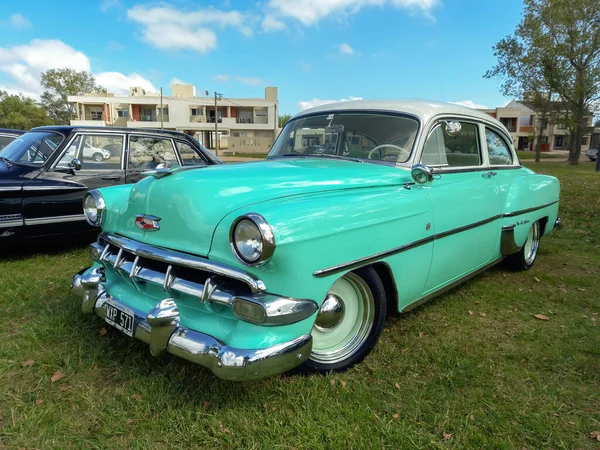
(216,126)
(217,97)
(161,110)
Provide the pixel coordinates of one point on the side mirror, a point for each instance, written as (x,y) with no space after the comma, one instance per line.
(75,164)
(421,174)
(453,128)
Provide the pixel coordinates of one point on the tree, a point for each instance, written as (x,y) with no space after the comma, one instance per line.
(21,113)
(58,84)
(284,119)
(556,48)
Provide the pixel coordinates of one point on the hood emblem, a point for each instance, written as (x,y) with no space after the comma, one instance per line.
(146,222)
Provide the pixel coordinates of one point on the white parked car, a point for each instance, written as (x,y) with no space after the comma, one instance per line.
(89,152)
(592,154)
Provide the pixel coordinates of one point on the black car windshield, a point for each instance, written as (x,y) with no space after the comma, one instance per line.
(353,135)
(34,147)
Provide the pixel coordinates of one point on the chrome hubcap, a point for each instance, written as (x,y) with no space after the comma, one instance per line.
(344,321)
(330,314)
(532,243)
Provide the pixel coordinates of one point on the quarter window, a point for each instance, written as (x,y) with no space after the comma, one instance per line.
(148,153)
(188,155)
(94,151)
(460,150)
(498,152)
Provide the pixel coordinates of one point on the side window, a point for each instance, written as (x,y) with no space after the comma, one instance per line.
(188,155)
(498,152)
(148,153)
(95,151)
(460,150)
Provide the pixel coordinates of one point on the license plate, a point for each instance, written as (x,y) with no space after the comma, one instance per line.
(120,317)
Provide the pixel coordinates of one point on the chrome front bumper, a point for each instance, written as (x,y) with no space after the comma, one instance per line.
(161,330)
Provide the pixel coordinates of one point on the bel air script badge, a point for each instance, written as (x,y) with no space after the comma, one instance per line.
(146,222)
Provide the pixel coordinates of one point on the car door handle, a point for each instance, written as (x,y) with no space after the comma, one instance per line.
(111,178)
(489,174)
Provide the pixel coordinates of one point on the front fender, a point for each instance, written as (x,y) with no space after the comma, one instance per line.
(315,232)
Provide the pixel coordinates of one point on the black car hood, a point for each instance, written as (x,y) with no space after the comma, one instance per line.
(15,175)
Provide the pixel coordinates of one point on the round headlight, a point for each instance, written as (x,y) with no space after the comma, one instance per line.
(252,239)
(93,206)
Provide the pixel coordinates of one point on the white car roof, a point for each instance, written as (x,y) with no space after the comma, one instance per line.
(422,109)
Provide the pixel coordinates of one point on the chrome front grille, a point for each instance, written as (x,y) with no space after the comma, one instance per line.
(177,272)
(173,271)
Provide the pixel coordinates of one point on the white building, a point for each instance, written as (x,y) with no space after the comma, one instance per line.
(244,124)
(521,118)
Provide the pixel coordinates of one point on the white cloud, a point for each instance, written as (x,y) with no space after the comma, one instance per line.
(24,64)
(222,78)
(119,84)
(271,23)
(251,81)
(168,28)
(105,5)
(470,104)
(345,49)
(302,105)
(309,12)
(18,21)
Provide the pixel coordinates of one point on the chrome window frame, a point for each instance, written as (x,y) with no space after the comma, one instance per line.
(509,144)
(434,122)
(199,153)
(87,133)
(149,135)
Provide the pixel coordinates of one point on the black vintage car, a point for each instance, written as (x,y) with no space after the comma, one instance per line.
(7,136)
(45,172)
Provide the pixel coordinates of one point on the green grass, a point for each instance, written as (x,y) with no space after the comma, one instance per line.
(526,155)
(244,154)
(497,378)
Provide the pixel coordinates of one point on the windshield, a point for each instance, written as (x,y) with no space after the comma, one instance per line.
(34,147)
(364,136)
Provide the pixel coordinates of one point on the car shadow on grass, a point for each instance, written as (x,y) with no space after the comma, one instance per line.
(48,245)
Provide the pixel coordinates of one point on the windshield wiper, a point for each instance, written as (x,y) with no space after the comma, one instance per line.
(7,161)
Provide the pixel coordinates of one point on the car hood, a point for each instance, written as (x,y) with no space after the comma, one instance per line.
(191,203)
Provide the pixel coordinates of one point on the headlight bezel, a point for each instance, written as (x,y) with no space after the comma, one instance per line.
(100,207)
(267,238)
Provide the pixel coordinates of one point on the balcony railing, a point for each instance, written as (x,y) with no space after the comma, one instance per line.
(212,120)
(244,120)
(197,118)
(93,116)
(154,118)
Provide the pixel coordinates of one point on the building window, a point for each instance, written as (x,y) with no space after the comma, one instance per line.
(584,141)
(196,111)
(558,141)
(95,115)
(509,123)
(544,139)
(123,113)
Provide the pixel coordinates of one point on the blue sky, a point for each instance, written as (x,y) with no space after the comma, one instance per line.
(312,50)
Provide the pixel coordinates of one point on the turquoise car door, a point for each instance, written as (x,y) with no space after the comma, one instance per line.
(466,204)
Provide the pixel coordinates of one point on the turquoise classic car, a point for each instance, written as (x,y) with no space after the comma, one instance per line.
(361,208)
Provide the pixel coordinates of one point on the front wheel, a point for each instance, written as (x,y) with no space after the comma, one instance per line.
(97,157)
(524,258)
(349,322)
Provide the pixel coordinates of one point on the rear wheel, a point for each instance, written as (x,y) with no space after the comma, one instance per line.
(349,322)
(524,258)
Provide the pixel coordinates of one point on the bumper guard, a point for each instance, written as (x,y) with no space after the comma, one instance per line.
(161,330)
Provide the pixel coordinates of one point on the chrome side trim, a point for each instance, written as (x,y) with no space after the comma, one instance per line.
(369,259)
(11,223)
(55,219)
(449,286)
(52,188)
(525,211)
(508,246)
(10,188)
(176,258)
